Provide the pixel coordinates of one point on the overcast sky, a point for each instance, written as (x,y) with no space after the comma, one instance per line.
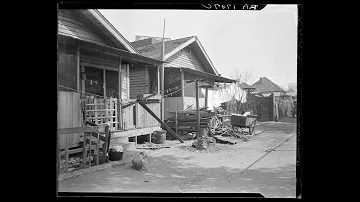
(262,41)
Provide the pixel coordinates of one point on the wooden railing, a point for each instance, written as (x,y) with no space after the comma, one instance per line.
(102,111)
(86,149)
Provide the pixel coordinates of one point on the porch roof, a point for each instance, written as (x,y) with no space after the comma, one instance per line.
(119,52)
(208,75)
(110,50)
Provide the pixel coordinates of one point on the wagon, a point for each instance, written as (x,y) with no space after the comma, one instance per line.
(239,121)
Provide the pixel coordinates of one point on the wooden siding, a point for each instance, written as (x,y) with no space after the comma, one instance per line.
(181,59)
(67,71)
(73,24)
(138,83)
(171,104)
(69,116)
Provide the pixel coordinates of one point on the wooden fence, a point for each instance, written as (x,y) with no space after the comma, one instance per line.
(135,116)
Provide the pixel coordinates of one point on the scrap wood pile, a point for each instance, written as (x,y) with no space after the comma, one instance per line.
(187,120)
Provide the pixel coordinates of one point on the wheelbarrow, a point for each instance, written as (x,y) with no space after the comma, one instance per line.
(240,121)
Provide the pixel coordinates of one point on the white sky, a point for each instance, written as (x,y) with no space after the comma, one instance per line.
(262,41)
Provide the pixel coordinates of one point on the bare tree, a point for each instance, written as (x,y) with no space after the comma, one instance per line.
(242,77)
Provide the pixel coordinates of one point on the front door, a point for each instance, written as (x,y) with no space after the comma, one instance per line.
(94,81)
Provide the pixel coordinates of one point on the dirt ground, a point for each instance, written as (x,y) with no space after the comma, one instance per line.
(246,167)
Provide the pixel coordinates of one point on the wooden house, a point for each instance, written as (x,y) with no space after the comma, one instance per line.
(186,60)
(99,72)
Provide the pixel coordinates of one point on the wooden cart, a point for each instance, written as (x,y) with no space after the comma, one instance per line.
(239,121)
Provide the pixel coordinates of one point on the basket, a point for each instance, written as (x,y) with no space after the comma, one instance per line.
(115,156)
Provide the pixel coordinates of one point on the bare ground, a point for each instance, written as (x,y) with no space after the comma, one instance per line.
(244,167)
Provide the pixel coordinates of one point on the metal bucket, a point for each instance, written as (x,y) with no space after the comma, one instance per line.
(160,136)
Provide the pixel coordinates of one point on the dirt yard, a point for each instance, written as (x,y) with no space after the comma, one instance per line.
(243,167)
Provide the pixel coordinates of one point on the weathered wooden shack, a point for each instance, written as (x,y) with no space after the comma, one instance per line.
(186,60)
(98,73)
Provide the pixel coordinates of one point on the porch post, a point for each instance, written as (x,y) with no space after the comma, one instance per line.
(78,68)
(104,83)
(183,90)
(119,115)
(83,80)
(158,79)
(162,92)
(206,96)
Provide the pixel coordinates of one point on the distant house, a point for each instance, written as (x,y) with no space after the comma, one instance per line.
(186,60)
(291,92)
(265,86)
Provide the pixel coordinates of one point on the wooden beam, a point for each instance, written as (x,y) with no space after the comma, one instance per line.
(78,68)
(161,122)
(83,79)
(104,82)
(183,90)
(158,79)
(197,108)
(128,81)
(176,122)
(134,132)
(134,102)
(84,151)
(120,95)
(162,91)
(206,97)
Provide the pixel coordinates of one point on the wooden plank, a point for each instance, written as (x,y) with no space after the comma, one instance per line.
(120,119)
(78,68)
(84,151)
(104,83)
(100,129)
(66,155)
(96,112)
(158,79)
(176,122)
(97,149)
(128,81)
(90,154)
(134,132)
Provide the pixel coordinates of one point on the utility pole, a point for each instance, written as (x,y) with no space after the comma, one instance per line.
(162,75)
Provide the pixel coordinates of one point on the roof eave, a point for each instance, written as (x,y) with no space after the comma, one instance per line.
(111,29)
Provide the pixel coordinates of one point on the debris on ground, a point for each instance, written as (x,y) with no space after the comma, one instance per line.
(203,143)
(151,146)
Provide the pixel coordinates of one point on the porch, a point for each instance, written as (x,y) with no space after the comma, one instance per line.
(98,85)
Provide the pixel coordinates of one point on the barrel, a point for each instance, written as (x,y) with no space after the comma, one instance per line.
(160,136)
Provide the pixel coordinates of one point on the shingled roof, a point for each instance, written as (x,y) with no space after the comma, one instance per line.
(264,85)
(154,50)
